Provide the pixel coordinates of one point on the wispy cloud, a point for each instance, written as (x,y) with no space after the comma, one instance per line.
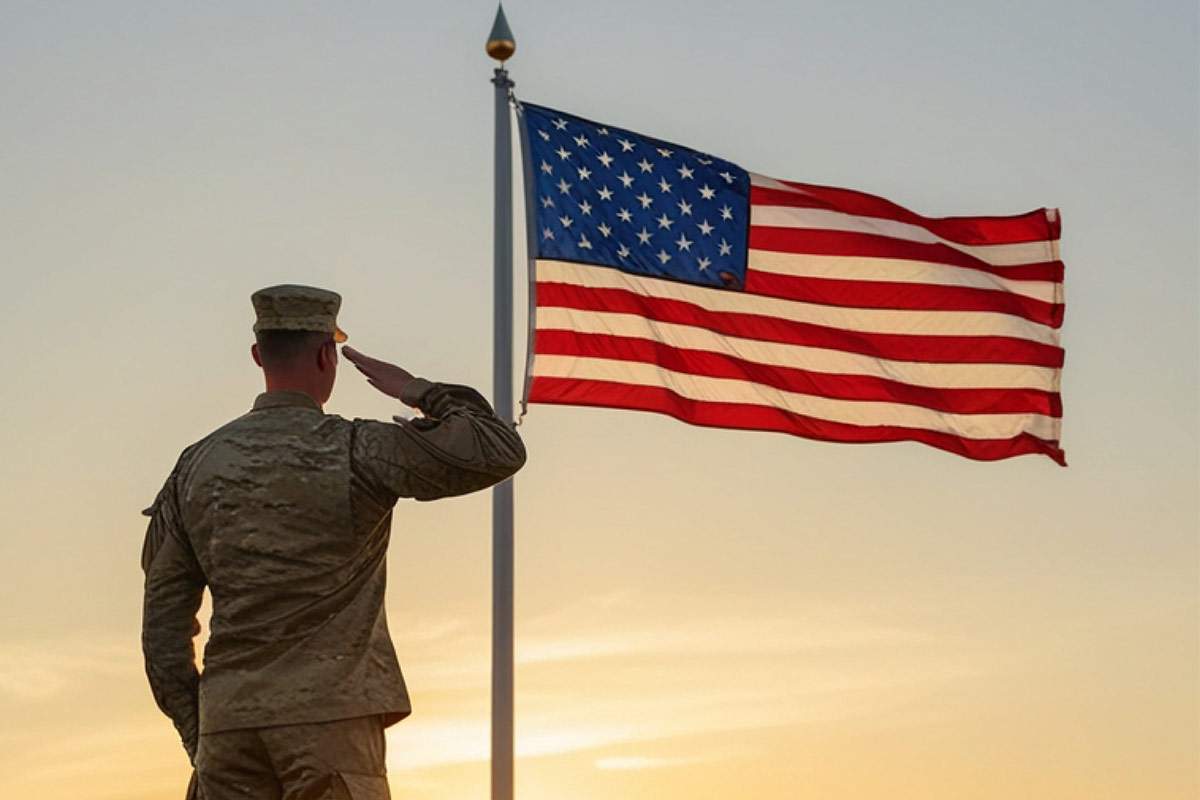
(642,762)
(420,743)
(36,671)
(589,678)
(725,635)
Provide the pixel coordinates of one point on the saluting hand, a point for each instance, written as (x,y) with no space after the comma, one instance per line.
(387,378)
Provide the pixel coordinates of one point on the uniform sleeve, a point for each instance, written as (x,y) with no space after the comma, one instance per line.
(173,591)
(460,446)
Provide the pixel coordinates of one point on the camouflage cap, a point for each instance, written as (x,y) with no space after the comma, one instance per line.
(289,307)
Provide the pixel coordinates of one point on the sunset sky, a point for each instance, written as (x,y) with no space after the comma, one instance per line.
(700,613)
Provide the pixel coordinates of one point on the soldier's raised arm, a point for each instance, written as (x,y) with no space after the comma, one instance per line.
(459,446)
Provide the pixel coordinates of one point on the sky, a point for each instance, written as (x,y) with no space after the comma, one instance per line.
(699,613)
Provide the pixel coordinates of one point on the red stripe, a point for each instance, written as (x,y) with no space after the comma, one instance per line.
(821,242)
(907,296)
(566,391)
(898,347)
(841,387)
(1032,226)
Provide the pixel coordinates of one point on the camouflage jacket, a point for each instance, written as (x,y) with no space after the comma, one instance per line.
(285,515)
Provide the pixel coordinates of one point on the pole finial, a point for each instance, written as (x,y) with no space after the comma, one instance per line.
(501,44)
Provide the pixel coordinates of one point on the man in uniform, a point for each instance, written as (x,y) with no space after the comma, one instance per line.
(285,515)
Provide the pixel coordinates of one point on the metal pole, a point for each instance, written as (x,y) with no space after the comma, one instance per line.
(500,46)
(502,494)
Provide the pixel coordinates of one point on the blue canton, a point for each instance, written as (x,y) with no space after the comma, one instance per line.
(604,195)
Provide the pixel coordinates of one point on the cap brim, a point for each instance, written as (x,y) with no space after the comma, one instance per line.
(339,335)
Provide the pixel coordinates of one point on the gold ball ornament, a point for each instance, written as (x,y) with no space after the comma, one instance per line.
(501,49)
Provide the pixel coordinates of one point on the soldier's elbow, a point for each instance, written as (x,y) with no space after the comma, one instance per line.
(514,457)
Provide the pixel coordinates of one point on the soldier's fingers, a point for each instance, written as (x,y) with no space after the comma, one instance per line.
(365,370)
(352,354)
(363,360)
(356,355)
(365,364)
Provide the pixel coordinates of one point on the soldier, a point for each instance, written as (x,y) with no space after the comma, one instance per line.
(285,515)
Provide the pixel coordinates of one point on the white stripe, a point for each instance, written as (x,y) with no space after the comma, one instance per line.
(897,270)
(998,255)
(866,320)
(813,359)
(851,412)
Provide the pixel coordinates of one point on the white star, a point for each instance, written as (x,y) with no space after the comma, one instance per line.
(544,135)
(705,263)
(584,244)
(705,228)
(684,171)
(683,243)
(561,124)
(725,247)
(728,178)
(644,235)
(644,199)
(707,192)
(704,161)
(547,202)
(584,173)
(663,256)
(546,168)
(626,145)
(685,208)
(726,212)
(563,186)
(624,215)
(602,131)
(604,230)
(665,222)
(581,141)
(664,186)
(623,251)
(645,165)
(563,153)
(605,193)
(565,220)
(586,208)
(626,179)
(547,233)
(605,158)
(664,152)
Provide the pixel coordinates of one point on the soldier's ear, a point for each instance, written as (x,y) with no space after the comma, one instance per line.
(327,355)
(254,354)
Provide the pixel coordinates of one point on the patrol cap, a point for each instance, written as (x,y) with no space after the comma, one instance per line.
(290,307)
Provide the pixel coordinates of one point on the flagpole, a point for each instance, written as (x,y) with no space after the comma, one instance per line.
(501,46)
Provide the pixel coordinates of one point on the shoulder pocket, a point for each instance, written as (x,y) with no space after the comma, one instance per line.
(149,510)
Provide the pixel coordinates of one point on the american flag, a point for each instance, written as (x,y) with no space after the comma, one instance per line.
(674,281)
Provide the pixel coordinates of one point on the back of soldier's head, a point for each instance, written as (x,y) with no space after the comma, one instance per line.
(290,350)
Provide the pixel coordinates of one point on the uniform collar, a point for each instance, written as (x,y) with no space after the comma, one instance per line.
(284,398)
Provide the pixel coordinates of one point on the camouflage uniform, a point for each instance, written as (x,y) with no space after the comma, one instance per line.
(285,515)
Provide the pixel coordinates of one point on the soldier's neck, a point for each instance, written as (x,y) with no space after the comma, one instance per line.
(294,383)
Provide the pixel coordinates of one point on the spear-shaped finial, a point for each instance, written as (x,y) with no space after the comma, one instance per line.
(501,44)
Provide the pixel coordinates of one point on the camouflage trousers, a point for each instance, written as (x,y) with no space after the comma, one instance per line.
(339,760)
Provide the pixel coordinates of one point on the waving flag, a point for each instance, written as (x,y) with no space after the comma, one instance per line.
(673,281)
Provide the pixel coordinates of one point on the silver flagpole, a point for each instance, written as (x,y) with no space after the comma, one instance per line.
(500,46)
